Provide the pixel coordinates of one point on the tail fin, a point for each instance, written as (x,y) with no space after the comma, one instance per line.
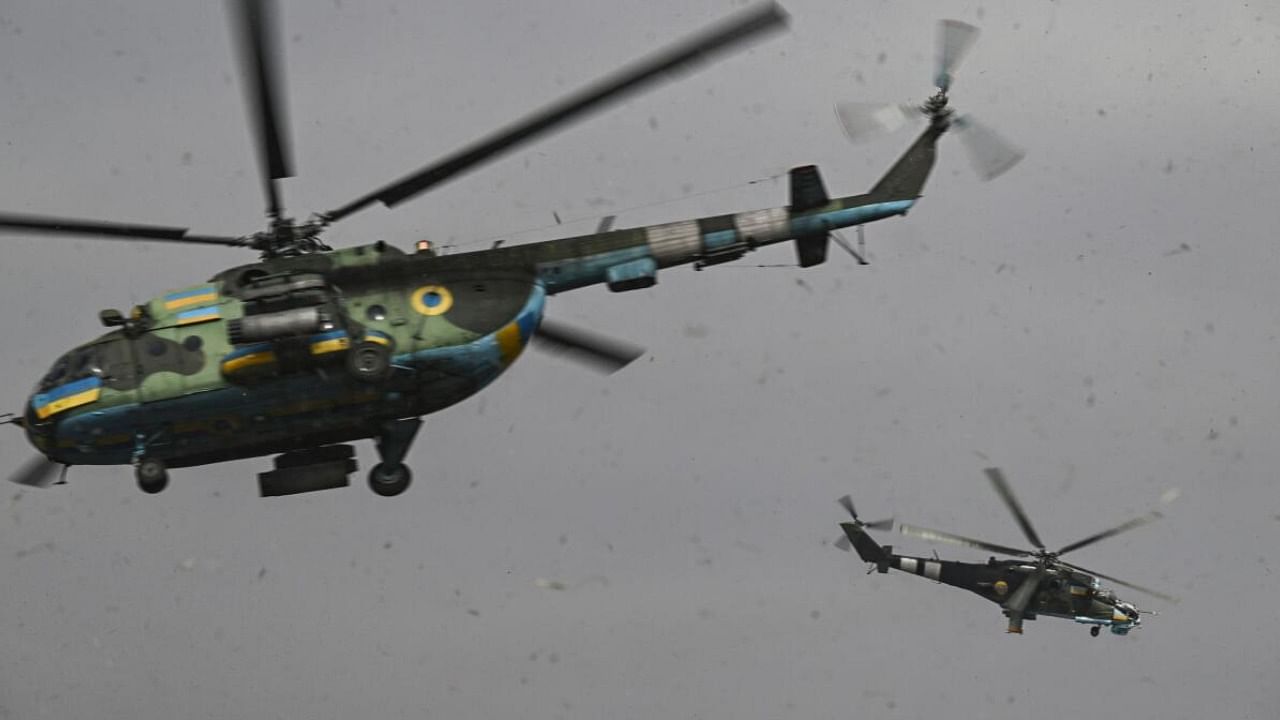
(906,179)
(869,550)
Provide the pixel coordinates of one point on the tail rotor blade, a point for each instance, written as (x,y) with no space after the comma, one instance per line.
(36,472)
(864,121)
(886,524)
(955,38)
(601,353)
(989,153)
(846,502)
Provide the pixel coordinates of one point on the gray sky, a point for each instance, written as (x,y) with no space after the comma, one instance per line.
(1100,323)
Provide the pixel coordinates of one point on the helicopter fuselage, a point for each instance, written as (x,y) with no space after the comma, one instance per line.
(1061,592)
(252,362)
(1065,594)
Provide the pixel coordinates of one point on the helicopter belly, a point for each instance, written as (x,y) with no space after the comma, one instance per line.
(288,412)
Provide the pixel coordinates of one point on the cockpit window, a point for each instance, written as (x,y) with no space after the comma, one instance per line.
(102,359)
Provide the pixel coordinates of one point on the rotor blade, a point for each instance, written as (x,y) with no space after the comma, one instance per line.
(955,38)
(605,354)
(36,472)
(886,524)
(1153,593)
(863,121)
(1006,494)
(989,153)
(940,536)
(1124,527)
(255,25)
(844,543)
(68,226)
(1021,597)
(681,56)
(846,502)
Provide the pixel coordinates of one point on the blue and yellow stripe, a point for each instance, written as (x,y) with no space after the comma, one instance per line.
(201,295)
(64,397)
(198,315)
(247,357)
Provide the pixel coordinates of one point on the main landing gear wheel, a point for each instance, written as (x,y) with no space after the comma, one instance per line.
(1095,630)
(387,479)
(369,361)
(152,475)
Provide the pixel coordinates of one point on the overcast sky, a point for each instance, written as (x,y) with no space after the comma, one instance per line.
(1101,323)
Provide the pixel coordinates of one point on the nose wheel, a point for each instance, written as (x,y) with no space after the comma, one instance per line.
(1095,630)
(391,476)
(151,474)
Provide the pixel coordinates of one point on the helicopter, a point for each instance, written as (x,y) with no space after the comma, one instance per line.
(312,347)
(1040,584)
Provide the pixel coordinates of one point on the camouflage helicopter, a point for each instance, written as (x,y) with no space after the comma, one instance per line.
(311,347)
(1041,584)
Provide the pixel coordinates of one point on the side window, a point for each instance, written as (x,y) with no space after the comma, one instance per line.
(116,364)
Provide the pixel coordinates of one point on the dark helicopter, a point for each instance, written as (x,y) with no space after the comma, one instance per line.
(1041,584)
(313,347)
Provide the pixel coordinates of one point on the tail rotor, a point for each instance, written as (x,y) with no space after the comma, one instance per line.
(847,503)
(990,154)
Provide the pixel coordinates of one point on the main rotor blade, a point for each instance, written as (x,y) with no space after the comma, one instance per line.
(955,38)
(255,25)
(1006,494)
(700,47)
(1123,527)
(602,353)
(844,543)
(1118,581)
(35,472)
(1022,596)
(69,226)
(989,153)
(940,536)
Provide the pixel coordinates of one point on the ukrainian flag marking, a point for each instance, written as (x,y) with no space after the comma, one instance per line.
(199,315)
(186,298)
(65,397)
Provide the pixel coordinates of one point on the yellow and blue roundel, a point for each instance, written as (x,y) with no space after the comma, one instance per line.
(64,397)
(431,300)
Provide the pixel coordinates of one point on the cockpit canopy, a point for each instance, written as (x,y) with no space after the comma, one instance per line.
(106,358)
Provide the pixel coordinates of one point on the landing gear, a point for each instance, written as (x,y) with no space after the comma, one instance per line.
(1095,630)
(392,476)
(151,474)
(369,361)
(388,480)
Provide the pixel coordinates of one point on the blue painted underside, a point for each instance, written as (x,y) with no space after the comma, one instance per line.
(286,408)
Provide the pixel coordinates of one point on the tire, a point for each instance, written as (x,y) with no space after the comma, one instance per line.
(151,475)
(369,361)
(1095,630)
(389,480)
